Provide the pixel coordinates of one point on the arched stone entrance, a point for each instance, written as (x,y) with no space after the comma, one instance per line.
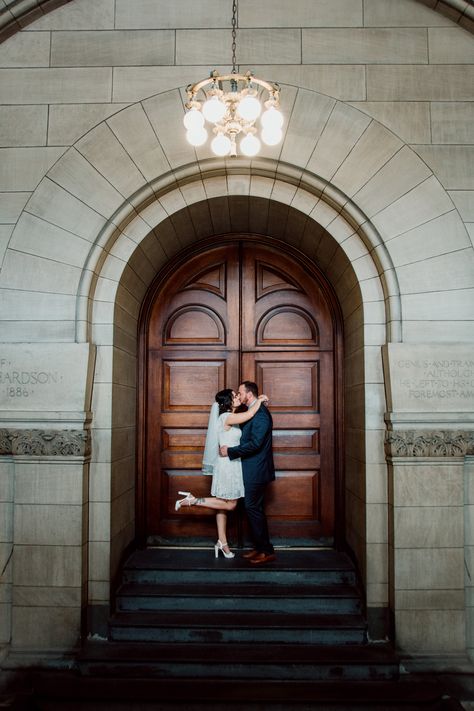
(344,190)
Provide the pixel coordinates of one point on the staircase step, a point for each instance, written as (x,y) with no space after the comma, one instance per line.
(317,567)
(342,599)
(243,661)
(408,694)
(230,627)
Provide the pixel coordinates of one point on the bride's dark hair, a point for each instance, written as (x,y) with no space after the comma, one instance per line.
(224,399)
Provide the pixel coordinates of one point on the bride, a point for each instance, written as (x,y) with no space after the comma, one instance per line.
(227,482)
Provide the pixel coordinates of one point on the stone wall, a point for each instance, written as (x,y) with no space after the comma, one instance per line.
(98,189)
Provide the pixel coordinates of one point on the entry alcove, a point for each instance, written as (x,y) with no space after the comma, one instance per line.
(241,307)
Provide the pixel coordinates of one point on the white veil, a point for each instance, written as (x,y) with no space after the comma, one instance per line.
(211,449)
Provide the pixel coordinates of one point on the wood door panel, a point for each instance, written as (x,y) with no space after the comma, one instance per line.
(192,325)
(288,460)
(271,281)
(293,496)
(298,441)
(289,324)
(191,385)
(289,385)
(241,311)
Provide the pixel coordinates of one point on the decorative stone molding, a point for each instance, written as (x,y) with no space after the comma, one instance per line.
(45,443)
(419,443)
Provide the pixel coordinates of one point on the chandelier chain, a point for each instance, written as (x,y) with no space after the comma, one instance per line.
(234,34)
(231,104)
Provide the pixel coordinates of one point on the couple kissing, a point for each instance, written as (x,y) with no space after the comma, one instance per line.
(238,454)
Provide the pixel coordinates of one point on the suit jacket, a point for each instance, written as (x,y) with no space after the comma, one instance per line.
(255,449)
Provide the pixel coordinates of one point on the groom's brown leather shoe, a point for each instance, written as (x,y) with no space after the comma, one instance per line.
(262,558)
(250,554)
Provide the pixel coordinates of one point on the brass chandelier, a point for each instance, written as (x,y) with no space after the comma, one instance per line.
(231,104)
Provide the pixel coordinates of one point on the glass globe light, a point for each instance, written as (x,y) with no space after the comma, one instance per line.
(196,136)
(250,145)
(193,119)
(272,137)
(221,145)
(272,119)
(213,109)
(249,108)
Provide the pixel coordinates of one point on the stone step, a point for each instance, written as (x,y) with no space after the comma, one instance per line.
(53,691)
(194,567)
(341,599)
(230,627)
(239,662)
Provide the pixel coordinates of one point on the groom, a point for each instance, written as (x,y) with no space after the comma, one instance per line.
(255,450)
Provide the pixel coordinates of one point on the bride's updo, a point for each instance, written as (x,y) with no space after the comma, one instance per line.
(224,399)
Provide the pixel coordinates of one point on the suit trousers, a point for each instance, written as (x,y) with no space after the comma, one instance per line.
(254,508)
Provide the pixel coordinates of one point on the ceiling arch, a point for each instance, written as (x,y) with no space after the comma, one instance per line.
(17,14)
(337,169)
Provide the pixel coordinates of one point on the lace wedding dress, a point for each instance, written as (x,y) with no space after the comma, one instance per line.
(227,481)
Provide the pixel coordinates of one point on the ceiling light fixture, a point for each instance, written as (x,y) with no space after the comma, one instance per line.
(232,103)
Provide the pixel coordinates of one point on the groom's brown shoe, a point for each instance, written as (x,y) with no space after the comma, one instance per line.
(250,554)
(262,558)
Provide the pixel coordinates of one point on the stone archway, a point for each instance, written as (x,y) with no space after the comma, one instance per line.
(355,196)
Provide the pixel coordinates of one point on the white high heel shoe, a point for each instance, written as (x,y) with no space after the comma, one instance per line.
(188,498)
(220,547)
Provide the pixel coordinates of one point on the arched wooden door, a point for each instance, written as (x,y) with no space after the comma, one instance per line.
(239,311)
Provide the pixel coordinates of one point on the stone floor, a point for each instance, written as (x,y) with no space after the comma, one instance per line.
(455,692)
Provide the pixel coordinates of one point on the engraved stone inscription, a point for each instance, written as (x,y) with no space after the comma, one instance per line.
(436,380)
(45,377)
(17,383)
(429,377)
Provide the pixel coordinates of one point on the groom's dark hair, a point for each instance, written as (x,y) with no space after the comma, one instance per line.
(251,387)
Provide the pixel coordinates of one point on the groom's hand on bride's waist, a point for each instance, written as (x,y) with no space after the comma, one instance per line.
(223,451)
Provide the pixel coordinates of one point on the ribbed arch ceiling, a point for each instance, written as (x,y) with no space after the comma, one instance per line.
(16,14)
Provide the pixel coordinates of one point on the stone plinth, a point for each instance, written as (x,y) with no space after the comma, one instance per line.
(44,492)
(430,423)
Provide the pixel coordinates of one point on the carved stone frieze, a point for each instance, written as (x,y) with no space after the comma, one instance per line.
(45,443)
(419,443)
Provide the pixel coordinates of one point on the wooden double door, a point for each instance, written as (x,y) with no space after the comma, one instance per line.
(240,311)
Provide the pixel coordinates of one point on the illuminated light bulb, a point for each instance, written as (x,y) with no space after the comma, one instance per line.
(272,137)
(272,119)
(213,109)
(250,145)
(249,108)
(221,145)
(196,136)
(193,120)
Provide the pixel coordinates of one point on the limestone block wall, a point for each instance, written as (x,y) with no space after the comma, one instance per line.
(401,154)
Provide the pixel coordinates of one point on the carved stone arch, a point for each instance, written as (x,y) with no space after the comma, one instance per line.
(105,192)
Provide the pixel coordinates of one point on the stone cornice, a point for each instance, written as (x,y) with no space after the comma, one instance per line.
(45,443)
(19,13)
(424,443)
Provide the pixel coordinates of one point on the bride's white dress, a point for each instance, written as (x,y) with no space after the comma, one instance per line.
(227,481)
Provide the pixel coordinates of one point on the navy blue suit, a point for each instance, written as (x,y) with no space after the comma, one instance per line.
(255,450)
